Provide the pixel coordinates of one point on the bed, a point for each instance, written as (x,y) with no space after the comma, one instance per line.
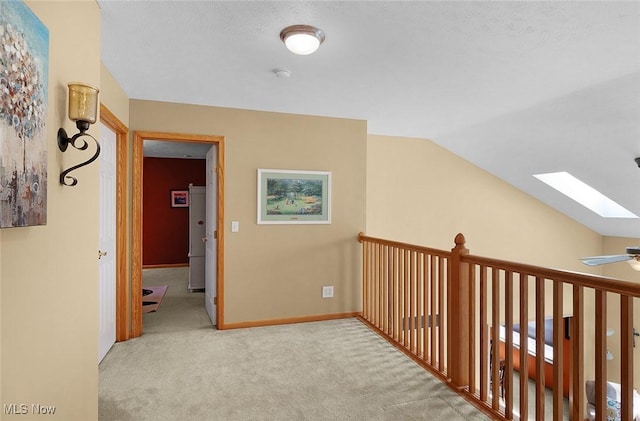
(548,350)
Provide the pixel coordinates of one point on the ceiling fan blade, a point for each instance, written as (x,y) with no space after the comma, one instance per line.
(602,260)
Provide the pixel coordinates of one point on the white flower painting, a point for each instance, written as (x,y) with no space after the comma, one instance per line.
(24,62)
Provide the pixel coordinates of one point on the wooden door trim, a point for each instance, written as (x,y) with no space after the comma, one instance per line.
(136,252)
(123,318)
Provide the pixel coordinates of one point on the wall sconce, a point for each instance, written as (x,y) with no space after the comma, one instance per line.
(83,109)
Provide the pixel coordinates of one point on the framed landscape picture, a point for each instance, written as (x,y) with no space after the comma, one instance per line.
(294,197)
(179,198)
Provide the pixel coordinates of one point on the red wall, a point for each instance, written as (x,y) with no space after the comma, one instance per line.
(165,230)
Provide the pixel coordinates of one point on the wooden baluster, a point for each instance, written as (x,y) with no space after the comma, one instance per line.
(422,328)
(411,296)
(508,357)
(524,346)
(426,311)
(600,351)
(496,381)
(484,336)
(558,363)
(626,355)
(365,283)
(433,312)
(390,295)
(576,395)
(438,317)
(472,328)
(540,341)
(405,300)
(385,286)
(380,274)
(372,282)
(396,291)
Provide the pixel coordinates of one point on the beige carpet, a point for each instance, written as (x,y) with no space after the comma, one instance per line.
(334,370)
(181,309)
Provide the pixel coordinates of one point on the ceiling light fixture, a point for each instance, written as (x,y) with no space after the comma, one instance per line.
(302,39)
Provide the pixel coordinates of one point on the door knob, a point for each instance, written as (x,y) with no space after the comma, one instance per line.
(101,254)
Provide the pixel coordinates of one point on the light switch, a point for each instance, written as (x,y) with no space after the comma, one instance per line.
(235,226)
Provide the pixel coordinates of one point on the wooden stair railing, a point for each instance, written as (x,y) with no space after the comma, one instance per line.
(448,311)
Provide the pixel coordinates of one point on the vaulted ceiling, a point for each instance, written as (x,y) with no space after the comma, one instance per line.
(517,88)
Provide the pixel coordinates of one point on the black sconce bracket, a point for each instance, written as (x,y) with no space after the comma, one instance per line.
(64,141)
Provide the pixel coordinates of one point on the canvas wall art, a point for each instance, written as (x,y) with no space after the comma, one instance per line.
(294,197)
(24,75)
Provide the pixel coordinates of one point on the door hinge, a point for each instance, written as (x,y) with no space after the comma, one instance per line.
(215,234)
(215,301)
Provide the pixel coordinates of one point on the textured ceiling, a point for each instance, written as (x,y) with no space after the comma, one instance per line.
(182,150)
(516,88)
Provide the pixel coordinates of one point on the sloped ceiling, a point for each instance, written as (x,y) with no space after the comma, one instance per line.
(517,88)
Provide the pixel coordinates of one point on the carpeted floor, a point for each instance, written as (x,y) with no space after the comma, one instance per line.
(334,370)
(181,310)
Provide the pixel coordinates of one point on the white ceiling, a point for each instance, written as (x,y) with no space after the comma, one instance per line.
(182,150)
(516,88)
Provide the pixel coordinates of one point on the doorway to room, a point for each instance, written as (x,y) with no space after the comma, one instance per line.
(212,234)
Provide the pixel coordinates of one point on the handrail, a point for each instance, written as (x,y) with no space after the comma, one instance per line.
(442,307)
(428,250)
(577,278)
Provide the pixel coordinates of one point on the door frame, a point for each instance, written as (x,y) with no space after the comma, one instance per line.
(123,320)
(136,251)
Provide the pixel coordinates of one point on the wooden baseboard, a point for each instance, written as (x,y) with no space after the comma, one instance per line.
(166,265)
(291,320)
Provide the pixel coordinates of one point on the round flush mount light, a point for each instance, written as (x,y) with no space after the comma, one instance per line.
(302,39)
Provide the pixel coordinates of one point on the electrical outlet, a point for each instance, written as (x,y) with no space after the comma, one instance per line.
(327,291)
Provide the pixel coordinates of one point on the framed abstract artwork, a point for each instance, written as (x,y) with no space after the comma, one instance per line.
(24,75)
(294,197)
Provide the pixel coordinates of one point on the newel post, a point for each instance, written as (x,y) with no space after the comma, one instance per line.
(458,346)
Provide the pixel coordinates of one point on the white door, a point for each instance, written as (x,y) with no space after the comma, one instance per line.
(107,243)
(211,220)
(197,236)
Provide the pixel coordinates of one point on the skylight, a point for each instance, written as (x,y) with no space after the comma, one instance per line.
(584,194)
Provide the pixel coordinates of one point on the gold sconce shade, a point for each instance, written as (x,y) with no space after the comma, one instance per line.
(83,102)
(83,109)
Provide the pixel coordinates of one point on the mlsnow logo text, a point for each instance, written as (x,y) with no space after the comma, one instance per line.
(23,409)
